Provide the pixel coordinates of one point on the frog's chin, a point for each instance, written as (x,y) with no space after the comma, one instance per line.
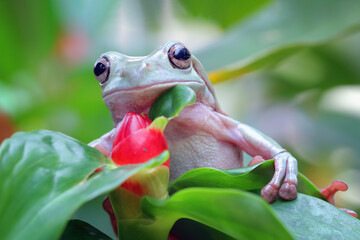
(140,99)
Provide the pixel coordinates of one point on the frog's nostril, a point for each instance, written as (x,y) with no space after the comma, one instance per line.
(99,69)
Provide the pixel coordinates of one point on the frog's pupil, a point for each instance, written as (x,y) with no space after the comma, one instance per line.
(181,54)
(99,69)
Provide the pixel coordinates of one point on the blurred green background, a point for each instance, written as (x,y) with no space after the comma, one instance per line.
(295,69)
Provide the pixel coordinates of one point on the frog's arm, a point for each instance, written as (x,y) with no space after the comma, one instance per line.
(255,143)
(104,143)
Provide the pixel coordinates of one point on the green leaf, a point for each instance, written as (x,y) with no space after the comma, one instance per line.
(256,62)
(280,30)
(45,176)
(172,101)
(77,229)
(232,11)
(159,123)
(239,214)
(248,178)
(311,218)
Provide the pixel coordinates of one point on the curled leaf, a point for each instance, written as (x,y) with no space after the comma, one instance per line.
(172,101)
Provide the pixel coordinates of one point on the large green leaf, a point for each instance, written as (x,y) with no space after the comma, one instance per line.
(239,214)
(277,32)
(257,62)
(224,13)
(311,218)
(45,176)
(77,229)
(248,178)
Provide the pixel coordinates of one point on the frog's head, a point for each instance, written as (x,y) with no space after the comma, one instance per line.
(131,84)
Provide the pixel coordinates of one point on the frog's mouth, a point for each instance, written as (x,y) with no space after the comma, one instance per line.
(140,99)
(156,89)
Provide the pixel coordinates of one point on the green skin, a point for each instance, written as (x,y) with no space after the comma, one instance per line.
(202,135)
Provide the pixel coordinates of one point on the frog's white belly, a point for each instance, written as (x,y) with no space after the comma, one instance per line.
(190,149)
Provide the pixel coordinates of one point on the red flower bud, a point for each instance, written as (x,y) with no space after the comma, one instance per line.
(136,143)
(130,124)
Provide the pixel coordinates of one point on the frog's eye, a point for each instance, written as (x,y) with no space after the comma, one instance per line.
(179,56)
(102,69)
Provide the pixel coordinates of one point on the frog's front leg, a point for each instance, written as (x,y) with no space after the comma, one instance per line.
(203,118)
(254,143)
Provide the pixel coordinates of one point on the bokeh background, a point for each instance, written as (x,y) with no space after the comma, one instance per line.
(295,70)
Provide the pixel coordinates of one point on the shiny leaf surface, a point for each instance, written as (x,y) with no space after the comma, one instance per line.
(312,218)
(233,212)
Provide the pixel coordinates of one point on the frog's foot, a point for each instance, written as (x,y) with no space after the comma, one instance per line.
(285,168)
(103,150)
(333,188)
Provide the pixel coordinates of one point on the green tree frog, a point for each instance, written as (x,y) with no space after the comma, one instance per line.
(203,135)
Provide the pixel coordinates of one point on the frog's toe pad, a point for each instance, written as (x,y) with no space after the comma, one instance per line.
(269,192)
(288,191)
